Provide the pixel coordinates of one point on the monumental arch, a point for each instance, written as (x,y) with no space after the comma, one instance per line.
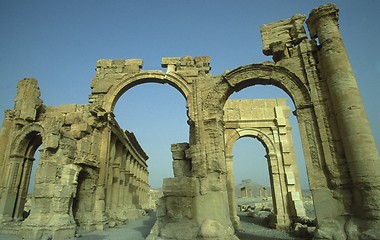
(268,121)
(92,174)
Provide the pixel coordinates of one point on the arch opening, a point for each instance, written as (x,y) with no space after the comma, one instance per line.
(253,181)
(272,92)
(277,130)
(31,145)
(83,199)
(112,97)
(157,116)
(250,163)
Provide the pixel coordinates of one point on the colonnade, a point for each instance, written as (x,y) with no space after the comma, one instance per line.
(127,185)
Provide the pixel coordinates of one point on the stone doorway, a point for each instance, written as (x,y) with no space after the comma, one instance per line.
(21,160)
(268,121)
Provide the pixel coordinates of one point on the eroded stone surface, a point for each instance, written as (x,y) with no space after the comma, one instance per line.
(92,173)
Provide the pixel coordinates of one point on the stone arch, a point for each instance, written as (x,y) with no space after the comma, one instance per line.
(281,207)
(257,74)
(26,138)
(266,74)
(21,158)
(117,90)
(251,132)
(120,85)
(83,199)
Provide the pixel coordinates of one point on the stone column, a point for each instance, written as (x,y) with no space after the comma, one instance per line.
(128,178)
(101,145)
(146,187)
(102,149)
(134,183)
(120,182)
(143,188)
(353,125)
(231,192)
(110,174)
(115,188)
(138,190)
(5,134)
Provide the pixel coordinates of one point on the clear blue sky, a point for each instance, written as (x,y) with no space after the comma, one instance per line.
(59,42)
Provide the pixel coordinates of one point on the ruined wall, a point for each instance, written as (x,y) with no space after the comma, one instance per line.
(66,195)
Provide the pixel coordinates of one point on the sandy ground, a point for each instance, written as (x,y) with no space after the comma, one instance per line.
(252,228)
(257,229)
(134,230)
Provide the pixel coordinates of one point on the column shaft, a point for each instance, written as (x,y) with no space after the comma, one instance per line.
(353,125)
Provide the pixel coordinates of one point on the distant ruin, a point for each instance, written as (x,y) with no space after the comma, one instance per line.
(92,174)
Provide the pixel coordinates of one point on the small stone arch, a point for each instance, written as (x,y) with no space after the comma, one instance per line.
(26,137)
(82,206)
(254,133)
(20,163)
(117,90)
(285,210)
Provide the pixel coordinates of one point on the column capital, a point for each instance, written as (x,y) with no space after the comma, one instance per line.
(327,12)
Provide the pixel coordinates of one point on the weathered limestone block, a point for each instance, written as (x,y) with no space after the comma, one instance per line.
(280,35)
(187,66)
(180,187)
(51,142)
(179,151)
(179,207)
(166,61)
(177,230)
(79,130)
(161,207)
(102,87)
(133,65)
(118,66)
(170,63)
(181,164)
(215,182)
(214,229)
(27,99)
(128,214)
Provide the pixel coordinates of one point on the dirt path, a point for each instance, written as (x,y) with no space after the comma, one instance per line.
(257,229)
(253,228)
(134,230)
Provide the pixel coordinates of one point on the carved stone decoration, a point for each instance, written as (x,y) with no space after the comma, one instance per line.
(85,152)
